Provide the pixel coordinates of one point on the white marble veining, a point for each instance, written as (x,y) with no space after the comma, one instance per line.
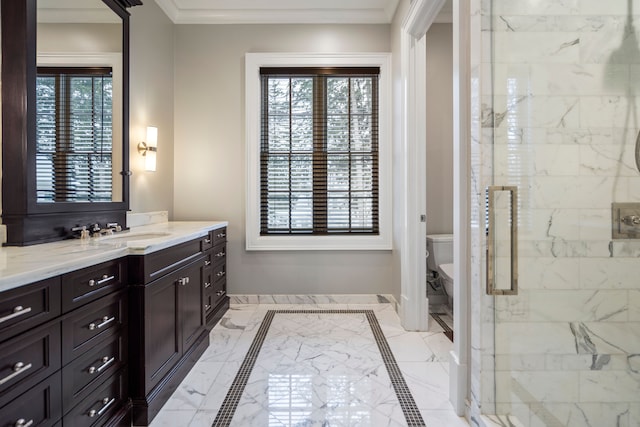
(23,265)
(559,119)
(138,219)
(314,369)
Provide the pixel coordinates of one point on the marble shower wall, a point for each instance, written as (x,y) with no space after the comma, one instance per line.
(558,117)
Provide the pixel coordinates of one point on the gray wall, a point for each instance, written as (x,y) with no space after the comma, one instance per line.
(210,153)
(439,160)
(79,38)
(151,103)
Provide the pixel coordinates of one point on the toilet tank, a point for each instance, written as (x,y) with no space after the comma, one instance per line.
(440,248)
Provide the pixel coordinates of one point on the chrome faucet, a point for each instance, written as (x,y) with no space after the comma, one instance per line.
(94,230)
(82,230)
(114,226)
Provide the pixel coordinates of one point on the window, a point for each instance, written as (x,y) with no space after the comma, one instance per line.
(74,141)
(318,151)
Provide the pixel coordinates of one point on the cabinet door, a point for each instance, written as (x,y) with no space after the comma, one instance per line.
(191,294)
(162,332)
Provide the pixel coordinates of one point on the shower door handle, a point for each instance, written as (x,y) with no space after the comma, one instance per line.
(491,238)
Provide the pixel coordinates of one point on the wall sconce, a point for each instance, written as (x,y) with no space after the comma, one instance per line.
(149,149)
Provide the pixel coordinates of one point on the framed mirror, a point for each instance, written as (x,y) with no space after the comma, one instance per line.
(65,128)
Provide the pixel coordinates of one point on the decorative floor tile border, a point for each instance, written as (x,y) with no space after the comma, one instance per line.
(405,398)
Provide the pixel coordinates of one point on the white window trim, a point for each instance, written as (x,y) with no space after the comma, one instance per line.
(254,241)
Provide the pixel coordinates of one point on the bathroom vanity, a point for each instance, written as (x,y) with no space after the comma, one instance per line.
(101,332)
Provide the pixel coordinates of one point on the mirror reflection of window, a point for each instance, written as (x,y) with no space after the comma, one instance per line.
(74,134)
(83,34)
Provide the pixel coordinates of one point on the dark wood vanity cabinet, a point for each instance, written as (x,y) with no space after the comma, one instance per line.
(107,345)
(63,341)
(169,312)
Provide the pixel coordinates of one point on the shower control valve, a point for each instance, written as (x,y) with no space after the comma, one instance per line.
(631,219)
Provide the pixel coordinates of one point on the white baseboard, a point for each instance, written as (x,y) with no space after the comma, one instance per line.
(457,384)
(314,299)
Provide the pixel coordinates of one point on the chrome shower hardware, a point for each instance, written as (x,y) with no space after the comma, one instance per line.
(625,220)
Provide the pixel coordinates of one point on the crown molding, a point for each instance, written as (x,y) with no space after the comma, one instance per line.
(382,15)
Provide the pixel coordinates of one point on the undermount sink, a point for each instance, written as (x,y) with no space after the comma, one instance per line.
(130,237)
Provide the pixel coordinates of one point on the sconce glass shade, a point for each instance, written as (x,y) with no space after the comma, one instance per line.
(152,148)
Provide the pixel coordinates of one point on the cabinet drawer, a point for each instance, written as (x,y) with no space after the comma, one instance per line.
(28,306)
(144,269)
(219,253)
(209,303)
(82,286)
(83,374)
(28,359)
(219,236)
(219,272)
(101,405)
(214,295)
(86,327)
(41,406)
(207,241)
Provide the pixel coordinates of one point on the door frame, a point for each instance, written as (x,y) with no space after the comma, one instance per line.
(414,305)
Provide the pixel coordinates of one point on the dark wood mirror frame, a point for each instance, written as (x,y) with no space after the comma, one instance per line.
(27,221)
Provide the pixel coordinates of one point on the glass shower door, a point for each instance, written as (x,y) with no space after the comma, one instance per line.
(561,120)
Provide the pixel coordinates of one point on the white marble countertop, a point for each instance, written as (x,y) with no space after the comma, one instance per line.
(27,264)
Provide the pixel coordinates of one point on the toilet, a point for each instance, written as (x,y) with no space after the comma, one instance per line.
(440,260)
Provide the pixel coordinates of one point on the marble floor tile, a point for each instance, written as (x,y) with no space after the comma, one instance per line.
(439,345)
(195,386)
(315,369)
(173,418)
(443,418)
(429,384)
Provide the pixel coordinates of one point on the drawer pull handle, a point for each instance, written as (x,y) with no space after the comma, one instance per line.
(207,240)
(221,235)
(105,321)
(102,281)
(220,254)
(220,273)
(207,263)
(17,311)
(106,402)
(105,362)
(183,281)
(207,307)
(23,423)
(207,285)
(18,369)
(220,293)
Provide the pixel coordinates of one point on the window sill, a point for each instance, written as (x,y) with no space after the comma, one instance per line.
(318,243)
